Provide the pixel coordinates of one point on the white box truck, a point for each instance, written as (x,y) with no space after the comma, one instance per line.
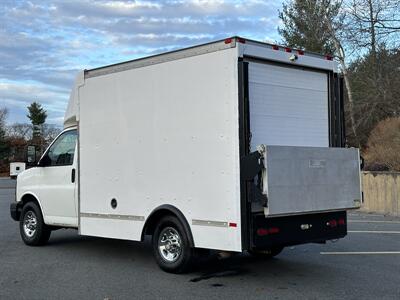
(234,145)
(16,168)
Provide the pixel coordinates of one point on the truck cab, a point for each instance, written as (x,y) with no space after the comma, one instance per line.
(51,188)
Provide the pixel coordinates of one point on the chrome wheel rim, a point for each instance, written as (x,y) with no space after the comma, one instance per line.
(30,224)
(169,244)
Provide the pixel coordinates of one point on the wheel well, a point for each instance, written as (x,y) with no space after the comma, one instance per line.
(162,211)
(28,198)
(25,199)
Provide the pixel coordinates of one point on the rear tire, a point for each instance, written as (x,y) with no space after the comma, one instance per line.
(171,246)
(33,230)
(269,253)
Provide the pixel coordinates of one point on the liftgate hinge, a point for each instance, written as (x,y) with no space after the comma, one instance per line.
(252,165)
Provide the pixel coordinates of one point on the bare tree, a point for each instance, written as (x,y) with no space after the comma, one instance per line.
(362,28)
(335,27)
(19,130)
(370,28)
(371,23)
(50,132)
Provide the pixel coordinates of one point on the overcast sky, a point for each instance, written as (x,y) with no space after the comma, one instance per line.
(44,43)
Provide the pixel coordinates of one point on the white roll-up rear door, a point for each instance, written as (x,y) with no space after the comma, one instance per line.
(288,106)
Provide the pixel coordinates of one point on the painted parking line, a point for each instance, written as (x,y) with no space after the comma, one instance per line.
(360,253)
(373,231)
(372,221)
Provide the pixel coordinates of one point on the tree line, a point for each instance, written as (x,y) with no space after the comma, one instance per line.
(15,138)
(364,37)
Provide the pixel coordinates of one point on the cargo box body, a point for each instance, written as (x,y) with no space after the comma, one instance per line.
(164,134)
(181,130)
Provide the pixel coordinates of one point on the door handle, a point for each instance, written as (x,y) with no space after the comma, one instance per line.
(73,175)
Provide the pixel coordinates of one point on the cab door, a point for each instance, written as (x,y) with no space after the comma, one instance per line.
(57,182)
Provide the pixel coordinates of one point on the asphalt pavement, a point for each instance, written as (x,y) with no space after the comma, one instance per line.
(364,265)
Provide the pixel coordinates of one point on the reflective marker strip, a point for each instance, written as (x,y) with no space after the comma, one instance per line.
(209,223)
(112,216)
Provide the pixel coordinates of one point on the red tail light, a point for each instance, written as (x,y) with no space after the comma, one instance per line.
(331,223)
(273,230)
(300,52)
(241,40)
(288,50)
(328,57)
(228,41)
(275,47)
(341,222)
(264,231)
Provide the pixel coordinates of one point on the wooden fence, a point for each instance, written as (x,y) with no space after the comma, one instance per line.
(381,192)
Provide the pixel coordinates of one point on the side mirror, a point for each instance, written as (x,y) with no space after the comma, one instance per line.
(31,155)
(45,161)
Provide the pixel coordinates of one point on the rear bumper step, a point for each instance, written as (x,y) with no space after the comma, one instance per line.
(300,229)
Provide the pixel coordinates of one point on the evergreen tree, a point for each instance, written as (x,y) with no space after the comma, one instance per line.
(306,24)
(38,116)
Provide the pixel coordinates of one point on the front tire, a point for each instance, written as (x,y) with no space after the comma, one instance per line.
(33,230)
(171,246)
